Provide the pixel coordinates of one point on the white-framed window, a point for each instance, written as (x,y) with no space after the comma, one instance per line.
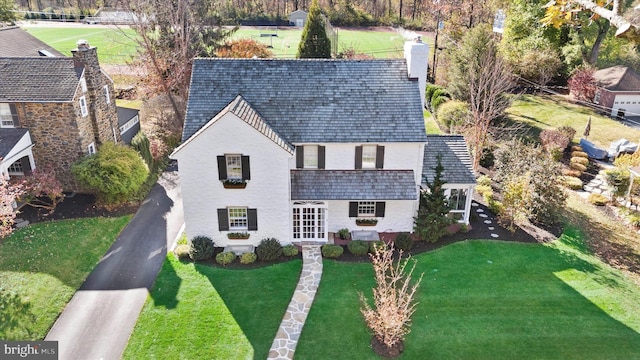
(15,168)
(238,219)
(366,208)
(129,124)
(91,148)
(6,117)
(107,96)
(369,156)
(458,199)
(311,156)
(83,84)
(83,106)
(596,99)
(234,166)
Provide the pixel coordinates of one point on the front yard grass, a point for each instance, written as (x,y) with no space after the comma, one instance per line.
(539,112)
(201,312)
(489,300)
(44,264)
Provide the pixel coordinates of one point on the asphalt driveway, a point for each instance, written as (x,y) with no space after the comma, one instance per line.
(97,322)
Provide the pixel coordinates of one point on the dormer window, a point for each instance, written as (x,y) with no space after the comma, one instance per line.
(369,157)
(310,157)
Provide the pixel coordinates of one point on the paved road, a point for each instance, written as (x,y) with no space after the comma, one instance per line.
(97,322)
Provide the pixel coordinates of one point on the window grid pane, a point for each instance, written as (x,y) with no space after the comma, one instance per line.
(15,168)
(366,208)
(369,156)
(458,199)
(238,219)
(6,119)
(234,166)
(311,156)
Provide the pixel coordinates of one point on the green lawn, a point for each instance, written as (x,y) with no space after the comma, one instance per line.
(202,312)
(44,264)
(542,111)
(114,46)
(430,124)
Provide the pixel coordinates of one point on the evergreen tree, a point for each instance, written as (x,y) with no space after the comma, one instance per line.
(431,222)
(314,42)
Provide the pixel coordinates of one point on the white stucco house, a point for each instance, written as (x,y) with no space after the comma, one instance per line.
(296,160)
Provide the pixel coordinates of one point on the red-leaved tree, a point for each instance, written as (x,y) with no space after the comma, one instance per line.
(9,192)
(582,86)
(41,189)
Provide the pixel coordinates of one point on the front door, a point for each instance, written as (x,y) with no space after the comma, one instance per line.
(309,221)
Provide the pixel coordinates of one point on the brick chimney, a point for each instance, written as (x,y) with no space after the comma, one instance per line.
(104,116)
(417,55)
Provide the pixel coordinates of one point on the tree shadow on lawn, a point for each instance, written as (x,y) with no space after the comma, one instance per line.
(480,300)
(166,286)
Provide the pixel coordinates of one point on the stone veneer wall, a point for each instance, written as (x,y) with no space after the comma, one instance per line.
(103,115)
(56,137)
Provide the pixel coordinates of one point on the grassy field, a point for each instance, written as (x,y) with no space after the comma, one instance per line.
(478,300)
(202,312)
(114,46)
(43,265)
(540,112)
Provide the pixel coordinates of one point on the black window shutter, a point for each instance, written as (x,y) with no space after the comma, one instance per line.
(353,209)
(252,219)
(223,219)
(222,168)
(299,157)
(321,157)
(246,170)
(380,205)
(14,115)
(380,157)
(358,157)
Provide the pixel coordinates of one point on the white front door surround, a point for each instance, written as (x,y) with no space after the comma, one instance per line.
(309,221)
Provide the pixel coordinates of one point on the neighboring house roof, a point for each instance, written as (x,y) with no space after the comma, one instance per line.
(618,78)
(298,12)
(307,101)
(9,138)
(37,79)
(458,168)
(353,185)
(18,43)
(125,114)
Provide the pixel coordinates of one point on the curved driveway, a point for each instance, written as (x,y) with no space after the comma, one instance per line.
(97,322)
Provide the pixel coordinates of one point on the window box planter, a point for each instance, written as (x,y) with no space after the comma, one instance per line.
(238,235)
(366,222)
(234,184)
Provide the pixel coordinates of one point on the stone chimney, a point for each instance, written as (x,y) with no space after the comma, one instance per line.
(103,114)
(417,55)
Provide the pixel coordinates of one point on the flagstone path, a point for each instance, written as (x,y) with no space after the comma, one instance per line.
(284,345)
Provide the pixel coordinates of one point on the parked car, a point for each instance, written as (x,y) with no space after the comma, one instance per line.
(90,20)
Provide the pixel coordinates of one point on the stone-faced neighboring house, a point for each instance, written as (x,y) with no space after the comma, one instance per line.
(298,18)
(299,149)
(64,107)
(618,89)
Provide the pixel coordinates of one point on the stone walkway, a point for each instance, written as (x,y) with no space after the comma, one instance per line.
(485,219)
(284,345)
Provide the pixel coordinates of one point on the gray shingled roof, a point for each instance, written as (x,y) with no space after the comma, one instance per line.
(17,42)
(353,185)
(37,79)
(312,100)
(9,137)
(458,168)
(618,78)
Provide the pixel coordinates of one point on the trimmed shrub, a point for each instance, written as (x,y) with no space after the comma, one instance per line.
(569,132)
(579,154)
(343,233)
(571,182)
(483,180)
(375,245)
(269,249)
(493,205)
(403,241)
(248,258)
(483,189)
(618,179)
(141,144)
(554,142)
(290,250)
(332,251)
(452,114)
(225,258)
(358,247)
(182,251)
(579,167)
(580,160)
(115,172)
(598,199)
(201,248)
(576,148)
(571,172)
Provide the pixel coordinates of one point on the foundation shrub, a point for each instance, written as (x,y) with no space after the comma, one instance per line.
(269,249)
(403,242)
(182,252)
(332,251)
(201,248)
(358,247)
(290,250)
(375,245)
(225,258)
(248,258)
